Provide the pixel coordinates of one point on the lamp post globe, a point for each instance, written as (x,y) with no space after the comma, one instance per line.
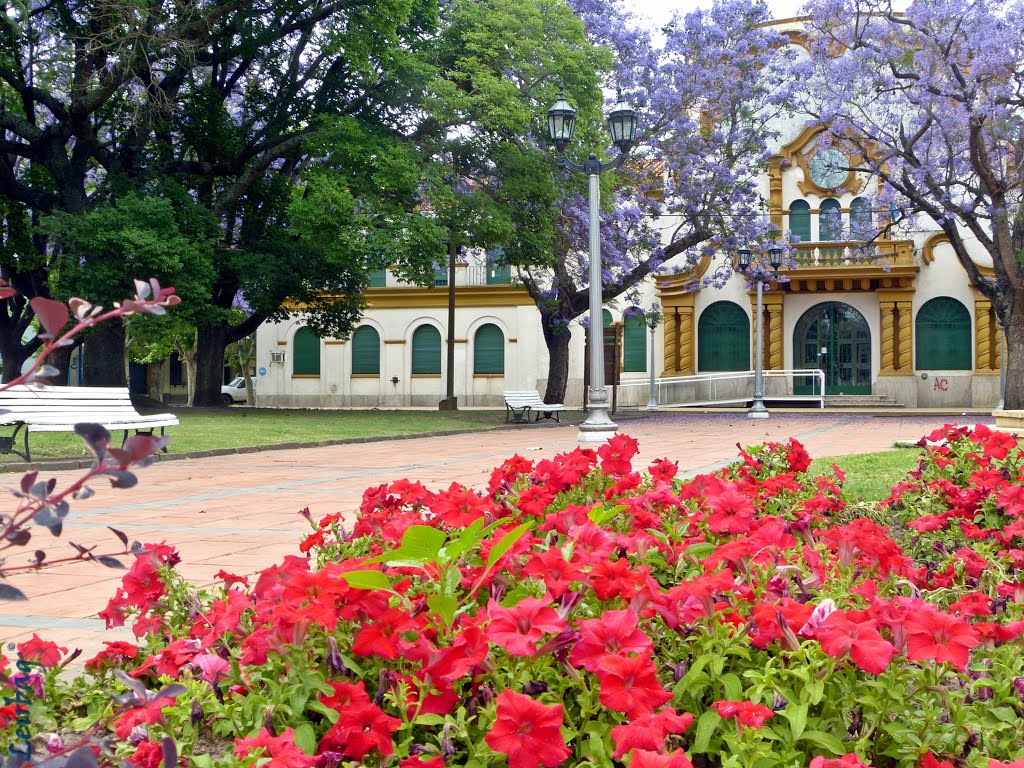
(622,124)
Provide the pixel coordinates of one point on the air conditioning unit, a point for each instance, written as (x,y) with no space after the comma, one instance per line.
(277,357)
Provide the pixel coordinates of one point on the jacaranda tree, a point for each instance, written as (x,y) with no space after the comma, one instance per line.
(706,97)
(931,99)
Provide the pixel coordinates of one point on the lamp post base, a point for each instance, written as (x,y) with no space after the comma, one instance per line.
(598,428)
(757,411)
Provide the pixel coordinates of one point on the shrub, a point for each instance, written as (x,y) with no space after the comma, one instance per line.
(582,613)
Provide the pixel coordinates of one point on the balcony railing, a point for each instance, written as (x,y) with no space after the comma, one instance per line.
(472,274)
(852,253)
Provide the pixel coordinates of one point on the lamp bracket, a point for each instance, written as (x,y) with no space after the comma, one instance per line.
(592,166)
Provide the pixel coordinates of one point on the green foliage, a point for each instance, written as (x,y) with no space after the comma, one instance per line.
(165,236)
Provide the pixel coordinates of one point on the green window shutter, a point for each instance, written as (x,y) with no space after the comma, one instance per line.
(497,273)
(366,350)
(634,344)
(426,350)
(606,318)
(489,350)
(830,220)
(943,331)
(723,338)
(860,219)
(378,278)
(306,353)
(800,220)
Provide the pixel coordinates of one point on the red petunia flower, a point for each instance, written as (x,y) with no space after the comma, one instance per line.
(731,509)
(745,712)
(630,685)
(939,636)
(846,761)
(116,652)
(148,755)
(1014,764)
(361,728)
(643,758)
(649,731)
(617,455)
(382,637)
(44,652)
(615,633)
(281,750)
(866,646)
(930,761)
(518,629)
(528,732)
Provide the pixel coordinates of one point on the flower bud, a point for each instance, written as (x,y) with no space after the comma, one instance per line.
(534,687)
(197,711)
(138,735)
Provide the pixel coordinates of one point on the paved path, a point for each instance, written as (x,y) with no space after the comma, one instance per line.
(239,512)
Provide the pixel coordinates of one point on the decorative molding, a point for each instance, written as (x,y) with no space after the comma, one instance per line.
(394,341)
(798,152)
(335,341)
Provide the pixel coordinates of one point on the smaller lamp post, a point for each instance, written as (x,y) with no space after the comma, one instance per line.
(622,122)
(759,276)
(653,318)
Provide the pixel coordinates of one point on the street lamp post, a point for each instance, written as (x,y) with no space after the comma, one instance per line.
(653,319)
(622,121)
(758,275)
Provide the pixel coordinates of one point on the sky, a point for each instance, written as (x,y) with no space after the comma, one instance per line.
(659,11)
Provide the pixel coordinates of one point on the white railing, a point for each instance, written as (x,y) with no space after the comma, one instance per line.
(722,388)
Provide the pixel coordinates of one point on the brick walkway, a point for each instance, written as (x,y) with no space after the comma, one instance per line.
(238,512)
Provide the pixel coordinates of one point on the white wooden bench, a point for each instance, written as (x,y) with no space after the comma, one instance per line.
(519,403)
(34,408)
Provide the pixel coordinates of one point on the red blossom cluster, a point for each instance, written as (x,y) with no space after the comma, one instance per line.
(580,610)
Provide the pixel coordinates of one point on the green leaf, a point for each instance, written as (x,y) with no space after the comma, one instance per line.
(444,606)
(367,580)
(420,544)
(330,713)
(429,719)
(797,716)
(470,537)
(202,761)
(506,543)
(825,741)
(733,687)
(706,726)
(305,738)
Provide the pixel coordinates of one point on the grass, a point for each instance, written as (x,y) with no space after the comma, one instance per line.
(203,429)
(870,476)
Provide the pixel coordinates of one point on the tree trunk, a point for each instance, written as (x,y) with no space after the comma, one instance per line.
(103,361)
(60,359)
(210,364)
(556,338)
(13,354)
(1014,396)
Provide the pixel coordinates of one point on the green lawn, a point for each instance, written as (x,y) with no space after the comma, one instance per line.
(204,429)
(870,476)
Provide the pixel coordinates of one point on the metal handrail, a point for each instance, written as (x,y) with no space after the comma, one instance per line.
(817,390)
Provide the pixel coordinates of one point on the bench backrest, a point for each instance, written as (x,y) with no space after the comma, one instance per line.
(27,401)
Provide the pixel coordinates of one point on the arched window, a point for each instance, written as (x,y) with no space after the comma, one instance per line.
(606,318)
(634,342)
(860,219)
(489,349)
(830,220)
(366,351)
(943,332)
(723,338)
(306,353)
(426,350)
(800,219)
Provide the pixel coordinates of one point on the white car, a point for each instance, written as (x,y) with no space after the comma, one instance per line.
(235,391)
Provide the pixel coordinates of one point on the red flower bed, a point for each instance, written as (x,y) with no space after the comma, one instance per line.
(583,613)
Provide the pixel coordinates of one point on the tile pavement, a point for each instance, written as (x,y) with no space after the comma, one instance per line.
(239,512)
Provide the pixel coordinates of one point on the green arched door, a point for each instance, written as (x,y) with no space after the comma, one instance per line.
(834,337)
